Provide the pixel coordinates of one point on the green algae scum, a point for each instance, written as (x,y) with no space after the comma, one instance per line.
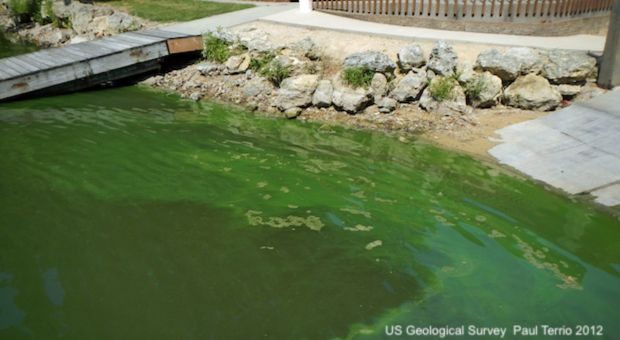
(132,214)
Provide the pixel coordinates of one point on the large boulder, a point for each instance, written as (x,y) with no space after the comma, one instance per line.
(410,87)
(296,91)
(568,67)
(373,60)
(386,104)
(225,35)
(257,86)
(532,92)
(484,89)
(455,102)
(323,95)
(443,60)
(307,48)
(378,86)
(510,64)
(351,100)
(260,45)
(114,24)
(411,56)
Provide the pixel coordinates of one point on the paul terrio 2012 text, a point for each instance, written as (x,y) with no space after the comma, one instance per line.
(499,332)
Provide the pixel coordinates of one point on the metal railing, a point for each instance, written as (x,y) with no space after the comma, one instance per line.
(479,10)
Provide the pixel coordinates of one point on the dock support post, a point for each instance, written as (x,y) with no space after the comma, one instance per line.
(609,73)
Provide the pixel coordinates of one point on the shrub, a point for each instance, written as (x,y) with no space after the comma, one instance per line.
(474,88)
(357,76)
(441,88)
(262,61)
(215,49)
(275,72)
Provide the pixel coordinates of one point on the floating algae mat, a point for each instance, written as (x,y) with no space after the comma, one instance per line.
(131,214)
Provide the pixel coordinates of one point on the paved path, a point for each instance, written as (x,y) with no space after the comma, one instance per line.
(333,22)
(204,25)
(576,149)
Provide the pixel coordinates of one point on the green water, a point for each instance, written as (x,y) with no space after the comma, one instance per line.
(9,49)
(129,214)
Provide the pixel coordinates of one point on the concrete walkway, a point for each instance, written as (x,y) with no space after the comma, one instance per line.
(320,20)
(231,19)
(575,149)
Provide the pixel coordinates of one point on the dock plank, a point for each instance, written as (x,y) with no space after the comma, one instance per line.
(163,34)
(21,67)
(144,39)
(40,63)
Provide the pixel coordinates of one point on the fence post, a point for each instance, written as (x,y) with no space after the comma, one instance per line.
(305,6)
(609,73)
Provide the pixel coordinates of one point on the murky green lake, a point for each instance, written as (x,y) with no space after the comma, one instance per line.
(131,214)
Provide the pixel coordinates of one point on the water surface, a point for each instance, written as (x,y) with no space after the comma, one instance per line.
(128,213)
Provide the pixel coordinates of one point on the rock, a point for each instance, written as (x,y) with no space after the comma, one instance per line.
(378,86)
(386,105)
(78,39)
(568,91)
(296,91)
(208,68)
(225,35)
(307,48)
(568,67)
(411,56)
(257,86)
(260,45)
(81,16)
(293,112)
(455,102)
(350,100)
(466,72)
(589,91)
(323,95)
(484,90)
(233,63)
(245,64)
(375,61)
(443,59)
(195,96)
(532,92)
(510,64)
(115,23)
(410,87)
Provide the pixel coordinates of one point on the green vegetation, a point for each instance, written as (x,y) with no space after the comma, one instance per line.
(474,88)
(181,10)
(275,72)
(357,76)
(215,49)
(441,88)
(267,66)
(39,11)
(26,10)
(260,62)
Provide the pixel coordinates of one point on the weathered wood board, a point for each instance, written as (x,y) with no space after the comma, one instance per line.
(83,63)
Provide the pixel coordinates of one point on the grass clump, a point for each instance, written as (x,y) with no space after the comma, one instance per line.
(474,88)
(441,88)
(262,61)
(180,10)
(357,76)
(215,49)
(267,66)
(275,72)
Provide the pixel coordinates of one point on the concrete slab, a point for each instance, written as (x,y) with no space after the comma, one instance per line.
(609,196)
(574,149)
(321,20)
(231,19)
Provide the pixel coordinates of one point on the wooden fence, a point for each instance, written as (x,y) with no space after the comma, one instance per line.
(480,10)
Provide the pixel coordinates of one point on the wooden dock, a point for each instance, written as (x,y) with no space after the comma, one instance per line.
(79,66)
